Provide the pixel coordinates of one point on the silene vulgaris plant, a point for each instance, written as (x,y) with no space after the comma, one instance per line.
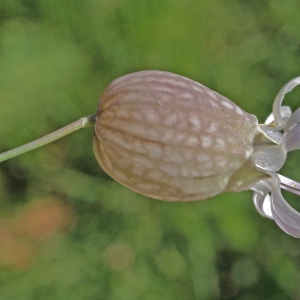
(170,138)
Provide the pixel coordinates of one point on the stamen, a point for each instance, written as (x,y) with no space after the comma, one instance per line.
(289,185)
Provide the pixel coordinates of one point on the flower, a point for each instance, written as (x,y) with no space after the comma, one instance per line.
(170,138)
(283,126)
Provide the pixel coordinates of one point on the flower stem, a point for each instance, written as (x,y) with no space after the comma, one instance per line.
(81,123)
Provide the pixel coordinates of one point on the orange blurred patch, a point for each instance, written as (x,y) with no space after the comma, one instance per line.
(14,252)
(22,235)
(40,220)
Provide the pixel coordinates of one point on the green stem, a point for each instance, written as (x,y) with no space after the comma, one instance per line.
(81,123)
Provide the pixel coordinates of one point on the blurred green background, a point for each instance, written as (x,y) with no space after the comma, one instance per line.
(68,231)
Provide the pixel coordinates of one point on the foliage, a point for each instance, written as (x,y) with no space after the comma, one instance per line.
(56,57)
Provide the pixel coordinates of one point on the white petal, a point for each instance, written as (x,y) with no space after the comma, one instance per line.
(285,113)
(293,120)
(278,117)
(286,217)
(262,204)
(292,139)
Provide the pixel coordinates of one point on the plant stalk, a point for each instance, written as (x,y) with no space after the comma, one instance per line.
(81,123)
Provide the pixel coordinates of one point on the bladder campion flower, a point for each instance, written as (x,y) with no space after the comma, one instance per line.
(170,138)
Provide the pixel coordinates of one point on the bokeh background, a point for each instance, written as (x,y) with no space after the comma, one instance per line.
(68,231)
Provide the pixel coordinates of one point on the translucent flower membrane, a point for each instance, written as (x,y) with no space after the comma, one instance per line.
(170,138)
